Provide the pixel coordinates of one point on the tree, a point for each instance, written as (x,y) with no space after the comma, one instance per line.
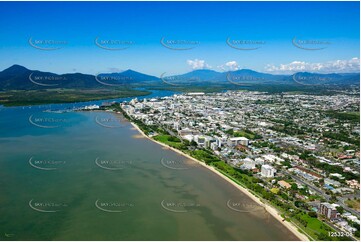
(229,131)
(193,143)
(340,209)
(312,214)
(299,204)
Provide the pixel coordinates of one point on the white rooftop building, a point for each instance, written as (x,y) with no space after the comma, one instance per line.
(272,158)
(248,163)
(267,171)
(259,161)
(238,141)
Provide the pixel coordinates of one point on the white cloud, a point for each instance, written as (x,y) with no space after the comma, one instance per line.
(337,66)
(230,66)
(198,64)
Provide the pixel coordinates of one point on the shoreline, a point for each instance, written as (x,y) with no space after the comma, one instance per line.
(267,207)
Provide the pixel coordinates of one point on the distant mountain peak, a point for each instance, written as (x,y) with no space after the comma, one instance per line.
(133,75)
(15,69)
(246,71)
(203,70)
(130,71)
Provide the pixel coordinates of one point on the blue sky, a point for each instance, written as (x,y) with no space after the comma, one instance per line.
(325,36)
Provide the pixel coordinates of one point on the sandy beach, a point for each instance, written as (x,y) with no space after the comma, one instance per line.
(268,208)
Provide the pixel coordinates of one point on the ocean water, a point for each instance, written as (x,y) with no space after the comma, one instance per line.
(91,176)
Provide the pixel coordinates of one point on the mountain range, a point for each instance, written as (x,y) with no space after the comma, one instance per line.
(19,77)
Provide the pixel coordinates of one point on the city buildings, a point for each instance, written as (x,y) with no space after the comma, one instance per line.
(301,137)
(238,141)
(328,210)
